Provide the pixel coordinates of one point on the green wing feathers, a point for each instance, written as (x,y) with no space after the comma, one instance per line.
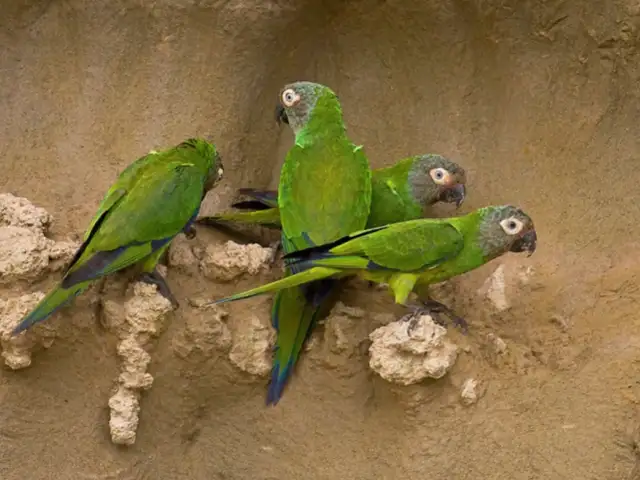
(407,246)
(125,181)
(144,220)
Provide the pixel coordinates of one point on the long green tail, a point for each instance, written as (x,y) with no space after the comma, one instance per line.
(269,216)
(291,315)
(262,210)
(294,313)
(316,273)
(50,304)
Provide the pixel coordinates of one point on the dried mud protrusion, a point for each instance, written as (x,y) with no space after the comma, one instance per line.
(205,332)
(136,323)
(16,350)
(25,251)
(404,357)
(26,254)
(253,340)
(225,263)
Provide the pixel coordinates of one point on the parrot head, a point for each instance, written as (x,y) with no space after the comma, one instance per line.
(434,178)
(297,101)
(506,229)
(215,174)
(208,151)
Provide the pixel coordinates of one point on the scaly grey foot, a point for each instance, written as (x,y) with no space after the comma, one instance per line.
(436,310)
(163,289)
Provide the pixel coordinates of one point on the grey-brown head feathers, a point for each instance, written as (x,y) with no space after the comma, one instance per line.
(297,101)
(434,178)
(506,228)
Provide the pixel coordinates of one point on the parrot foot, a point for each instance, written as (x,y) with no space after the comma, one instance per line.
(435,310)
(158,280)
(276,247)
(190,232)
(412,318)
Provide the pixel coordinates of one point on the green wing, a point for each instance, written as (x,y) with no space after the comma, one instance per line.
(161,202)
(391,201)
(123,183)
(408,246)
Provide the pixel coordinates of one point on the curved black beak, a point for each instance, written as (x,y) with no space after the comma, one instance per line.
(454,194)
(526,243)
(281,115)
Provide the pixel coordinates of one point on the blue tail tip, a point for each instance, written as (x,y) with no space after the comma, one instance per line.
(277,385)
(19,329)
(217,302)
(274,395)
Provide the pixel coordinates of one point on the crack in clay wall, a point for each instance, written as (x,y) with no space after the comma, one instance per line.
(537,100)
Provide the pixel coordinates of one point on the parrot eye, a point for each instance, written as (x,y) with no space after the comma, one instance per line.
(511,225)
(440,175)
(290,97)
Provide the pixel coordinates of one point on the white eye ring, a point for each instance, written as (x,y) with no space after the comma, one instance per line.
(511,225)
(439,175)
(290,97)
(220,172)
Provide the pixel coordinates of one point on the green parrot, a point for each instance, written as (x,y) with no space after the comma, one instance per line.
(153,200)
(398,193)
(324,194)
(411,254)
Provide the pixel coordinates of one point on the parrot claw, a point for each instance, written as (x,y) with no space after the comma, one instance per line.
(158,280)
(190,232)
(276,247)
(412,318)
(435,310)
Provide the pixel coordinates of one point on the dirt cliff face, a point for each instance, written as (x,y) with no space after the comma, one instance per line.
(537,100)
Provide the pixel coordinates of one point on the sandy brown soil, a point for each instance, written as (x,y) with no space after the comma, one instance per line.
(539,100)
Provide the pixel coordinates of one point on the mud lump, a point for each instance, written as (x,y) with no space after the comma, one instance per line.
(407,357)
